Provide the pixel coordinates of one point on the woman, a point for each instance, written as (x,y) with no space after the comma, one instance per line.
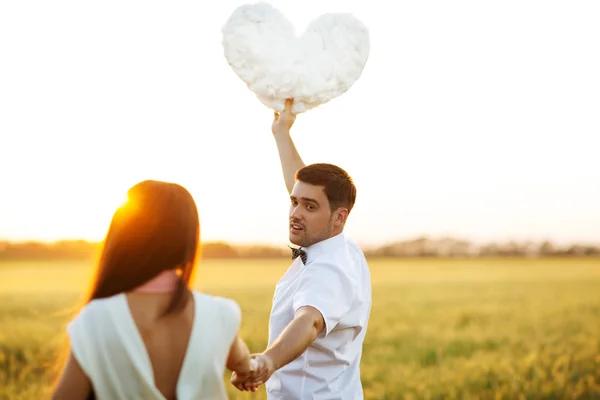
(143,333)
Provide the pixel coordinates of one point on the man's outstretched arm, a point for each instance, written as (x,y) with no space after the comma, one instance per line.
(288,155)
(293,341)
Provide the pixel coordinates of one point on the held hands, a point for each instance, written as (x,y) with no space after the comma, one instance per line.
(261,369)
(283,122)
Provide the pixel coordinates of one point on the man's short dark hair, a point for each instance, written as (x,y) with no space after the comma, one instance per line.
(338,185)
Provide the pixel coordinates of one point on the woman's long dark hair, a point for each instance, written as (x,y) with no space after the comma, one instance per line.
(157,229)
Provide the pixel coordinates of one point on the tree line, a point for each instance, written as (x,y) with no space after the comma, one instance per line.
(418,247)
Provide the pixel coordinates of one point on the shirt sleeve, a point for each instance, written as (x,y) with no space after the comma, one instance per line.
(329,288)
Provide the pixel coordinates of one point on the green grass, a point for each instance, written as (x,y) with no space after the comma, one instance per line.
(440,329)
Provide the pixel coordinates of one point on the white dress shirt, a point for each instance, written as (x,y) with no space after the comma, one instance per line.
(336,281)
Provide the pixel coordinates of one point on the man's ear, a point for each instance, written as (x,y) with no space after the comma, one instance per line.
(341,216)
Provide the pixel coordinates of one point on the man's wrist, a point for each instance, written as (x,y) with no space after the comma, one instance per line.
(268,354)
(281,132)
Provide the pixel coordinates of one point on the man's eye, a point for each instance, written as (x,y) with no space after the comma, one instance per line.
(294,202)
(310,206)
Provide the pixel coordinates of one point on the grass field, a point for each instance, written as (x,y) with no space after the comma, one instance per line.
(440,329)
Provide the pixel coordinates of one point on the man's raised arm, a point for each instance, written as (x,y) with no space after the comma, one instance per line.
(288,155)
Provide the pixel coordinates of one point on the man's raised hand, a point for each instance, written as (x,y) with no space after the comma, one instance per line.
(282,123)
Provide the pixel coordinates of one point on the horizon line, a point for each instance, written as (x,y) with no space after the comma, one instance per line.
(361,243)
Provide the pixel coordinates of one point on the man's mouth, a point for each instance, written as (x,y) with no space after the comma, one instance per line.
(295,227)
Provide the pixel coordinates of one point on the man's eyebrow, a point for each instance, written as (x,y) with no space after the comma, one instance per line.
(305,199)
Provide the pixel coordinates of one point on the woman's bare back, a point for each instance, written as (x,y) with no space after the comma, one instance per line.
(166,338)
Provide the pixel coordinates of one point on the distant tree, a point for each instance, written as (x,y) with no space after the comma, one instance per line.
(547,249)
(262,251)
(489,250)
(218,250)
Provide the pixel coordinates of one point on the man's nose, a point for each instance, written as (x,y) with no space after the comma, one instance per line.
(296,213)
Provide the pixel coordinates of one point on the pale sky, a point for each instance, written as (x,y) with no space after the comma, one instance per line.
(472,118)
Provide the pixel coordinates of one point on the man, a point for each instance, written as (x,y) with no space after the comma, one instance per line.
(322,303)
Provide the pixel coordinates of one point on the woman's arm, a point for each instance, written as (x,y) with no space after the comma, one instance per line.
(73,384)
(239,357)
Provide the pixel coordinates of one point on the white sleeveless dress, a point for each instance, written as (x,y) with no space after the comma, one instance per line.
(109,348)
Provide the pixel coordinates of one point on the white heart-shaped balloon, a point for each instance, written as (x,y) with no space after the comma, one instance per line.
(324,62)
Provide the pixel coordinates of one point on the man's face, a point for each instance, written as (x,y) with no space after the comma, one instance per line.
(311,219)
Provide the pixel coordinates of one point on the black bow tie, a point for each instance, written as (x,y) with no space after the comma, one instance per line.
(298,252)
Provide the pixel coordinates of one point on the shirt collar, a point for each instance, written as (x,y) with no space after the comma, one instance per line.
(314,250)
